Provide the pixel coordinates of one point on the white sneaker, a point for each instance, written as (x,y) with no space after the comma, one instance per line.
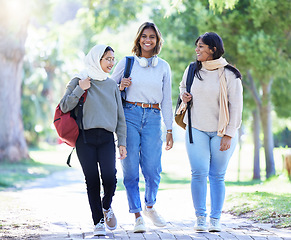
(200,225)
(110,219)
(214,225)
(152,214)
(99,229)
(139,226)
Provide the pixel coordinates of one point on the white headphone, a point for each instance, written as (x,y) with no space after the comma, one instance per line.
(143,62)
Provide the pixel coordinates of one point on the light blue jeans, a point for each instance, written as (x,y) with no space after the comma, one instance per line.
(207,160)
(144,149)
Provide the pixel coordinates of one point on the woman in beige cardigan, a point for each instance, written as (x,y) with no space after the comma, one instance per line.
(217,101)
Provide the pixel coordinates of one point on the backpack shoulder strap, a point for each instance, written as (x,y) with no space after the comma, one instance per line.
(127,71)
(190,76)
(128,66)
(79,119)
(189,81)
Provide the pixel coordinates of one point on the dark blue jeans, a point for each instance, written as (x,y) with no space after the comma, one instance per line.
(98,155)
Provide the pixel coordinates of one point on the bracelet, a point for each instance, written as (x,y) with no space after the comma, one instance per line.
(169,131)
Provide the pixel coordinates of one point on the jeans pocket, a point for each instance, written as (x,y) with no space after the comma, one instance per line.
(128,106)
(156,111)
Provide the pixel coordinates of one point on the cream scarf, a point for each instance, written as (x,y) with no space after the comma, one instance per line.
(92,64)
(223,119)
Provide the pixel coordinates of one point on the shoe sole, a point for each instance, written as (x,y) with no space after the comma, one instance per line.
(200,229)
(100,234)
(214,230)
(139,231)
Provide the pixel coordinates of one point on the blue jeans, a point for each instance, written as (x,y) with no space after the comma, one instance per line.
(144,149)
(207,160)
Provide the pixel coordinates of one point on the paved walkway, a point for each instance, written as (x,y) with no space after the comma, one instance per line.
(60,204)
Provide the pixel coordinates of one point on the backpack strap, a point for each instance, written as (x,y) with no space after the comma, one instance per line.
(189,81)
(79,119)
(69,158)
(128,66)
(127,71)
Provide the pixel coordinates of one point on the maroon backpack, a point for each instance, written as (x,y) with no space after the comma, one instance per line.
(67,124)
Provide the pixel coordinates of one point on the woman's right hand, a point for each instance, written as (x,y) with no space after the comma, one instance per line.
(186,97)
(85,83)
(125,82)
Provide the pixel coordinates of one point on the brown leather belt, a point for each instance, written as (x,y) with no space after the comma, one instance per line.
(146,105)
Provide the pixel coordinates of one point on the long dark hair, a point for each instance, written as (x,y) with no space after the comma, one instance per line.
(215,43)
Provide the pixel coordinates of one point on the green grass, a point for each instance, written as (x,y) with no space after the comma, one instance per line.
(15,175)
(265,202)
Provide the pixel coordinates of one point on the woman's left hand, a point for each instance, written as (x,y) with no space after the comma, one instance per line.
(122,152)
(169,141)
(225,143)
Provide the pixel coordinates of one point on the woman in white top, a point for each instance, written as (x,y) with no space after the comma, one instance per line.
(216,110)
(148,94)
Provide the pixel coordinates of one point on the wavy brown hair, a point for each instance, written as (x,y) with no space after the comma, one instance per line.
(137,49)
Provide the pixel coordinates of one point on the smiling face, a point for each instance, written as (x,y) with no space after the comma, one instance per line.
(148,42)
(107,61)
(203,52)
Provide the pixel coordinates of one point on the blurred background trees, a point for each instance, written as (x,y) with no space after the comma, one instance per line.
(57,34)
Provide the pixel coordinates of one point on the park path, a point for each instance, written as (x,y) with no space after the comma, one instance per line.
(56,208)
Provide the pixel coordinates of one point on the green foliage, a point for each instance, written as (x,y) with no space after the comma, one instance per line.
(222,4)
(283,138)
(281,95)
(97,15)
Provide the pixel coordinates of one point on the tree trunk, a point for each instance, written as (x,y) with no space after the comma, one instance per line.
(265,113)
(257,144)
(13,34)
(264,105)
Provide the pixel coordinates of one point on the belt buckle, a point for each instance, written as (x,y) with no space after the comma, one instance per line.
(142,105)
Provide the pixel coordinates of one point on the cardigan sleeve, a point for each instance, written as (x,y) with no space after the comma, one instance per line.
(235,105)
